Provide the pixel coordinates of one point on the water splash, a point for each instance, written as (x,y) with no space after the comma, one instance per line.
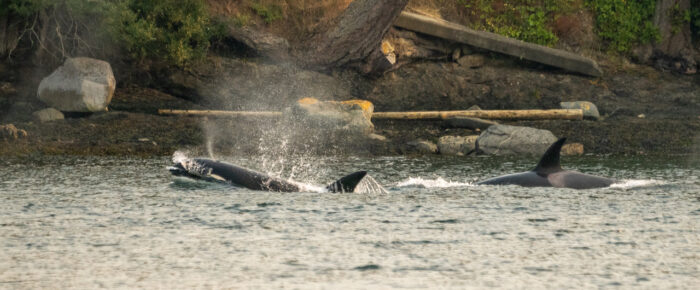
(419,182)
(369,185)
(179,157)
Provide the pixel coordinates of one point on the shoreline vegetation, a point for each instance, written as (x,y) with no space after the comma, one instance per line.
(266,55)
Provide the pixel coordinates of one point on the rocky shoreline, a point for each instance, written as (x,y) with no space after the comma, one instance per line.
(643,111)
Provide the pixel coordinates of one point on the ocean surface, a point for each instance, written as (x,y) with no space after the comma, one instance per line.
(96,222)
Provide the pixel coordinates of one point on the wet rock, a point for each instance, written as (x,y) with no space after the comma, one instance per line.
(572,149)
(507,140)
(471,61)
(456,145)
(590,111)
(48,114)
(421,147)
(469,123)
(80,85)
(9,132)
(352,116)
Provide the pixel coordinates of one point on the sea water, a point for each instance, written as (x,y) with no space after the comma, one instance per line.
(96,222)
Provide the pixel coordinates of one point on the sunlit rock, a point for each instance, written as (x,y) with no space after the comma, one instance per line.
(80,85)
(353,116)
(572,149)
(9,132)
(507,140)
(47,115)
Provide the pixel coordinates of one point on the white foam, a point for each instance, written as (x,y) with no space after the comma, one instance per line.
(430,183)
(634,183)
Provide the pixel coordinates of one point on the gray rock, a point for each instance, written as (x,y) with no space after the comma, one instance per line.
(456,145)
(471,61)
(507,140)
(590,111)
(422,147)
(48,114)
(469,123)
(80,85)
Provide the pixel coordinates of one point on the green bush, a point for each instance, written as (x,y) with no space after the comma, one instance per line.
(527,20)
(174,31)
(269,13)
(624,24)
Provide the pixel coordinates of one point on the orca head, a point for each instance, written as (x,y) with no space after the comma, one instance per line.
(549,163)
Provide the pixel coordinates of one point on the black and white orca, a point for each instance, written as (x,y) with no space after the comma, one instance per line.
(548,173)
(218,171)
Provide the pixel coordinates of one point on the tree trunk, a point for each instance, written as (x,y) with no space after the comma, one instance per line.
(675,51)
(355,38)
(675,32)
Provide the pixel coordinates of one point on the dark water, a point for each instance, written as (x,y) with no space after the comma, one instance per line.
(108,222)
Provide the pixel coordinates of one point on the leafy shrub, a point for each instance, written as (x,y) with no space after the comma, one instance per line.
(527,20)
(269,13)
(174,31)
(625,24)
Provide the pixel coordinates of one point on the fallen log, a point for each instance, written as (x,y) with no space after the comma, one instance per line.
(494,42)
(219,113)
(556,114)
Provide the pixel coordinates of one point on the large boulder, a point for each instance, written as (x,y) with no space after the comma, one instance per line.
(456,145)
(353,116)
(80,85)
(507,140)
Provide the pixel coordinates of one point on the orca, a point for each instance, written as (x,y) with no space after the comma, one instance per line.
(548,173)
(218,171)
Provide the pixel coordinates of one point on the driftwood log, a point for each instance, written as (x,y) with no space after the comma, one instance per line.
(219,113)
(557,114)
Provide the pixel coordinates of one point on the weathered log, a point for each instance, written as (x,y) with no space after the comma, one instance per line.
(219,113)
(494,42)
(561,114)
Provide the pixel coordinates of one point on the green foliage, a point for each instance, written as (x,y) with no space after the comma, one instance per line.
(241,20)
(695,18)
(527,20)
(269,13)
(625,24)
(174,31)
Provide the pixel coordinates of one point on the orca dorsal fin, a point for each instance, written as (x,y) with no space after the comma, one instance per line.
(347,183)
(550,160)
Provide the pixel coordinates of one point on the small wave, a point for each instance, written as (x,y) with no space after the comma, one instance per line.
(635,183)
(430,183)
